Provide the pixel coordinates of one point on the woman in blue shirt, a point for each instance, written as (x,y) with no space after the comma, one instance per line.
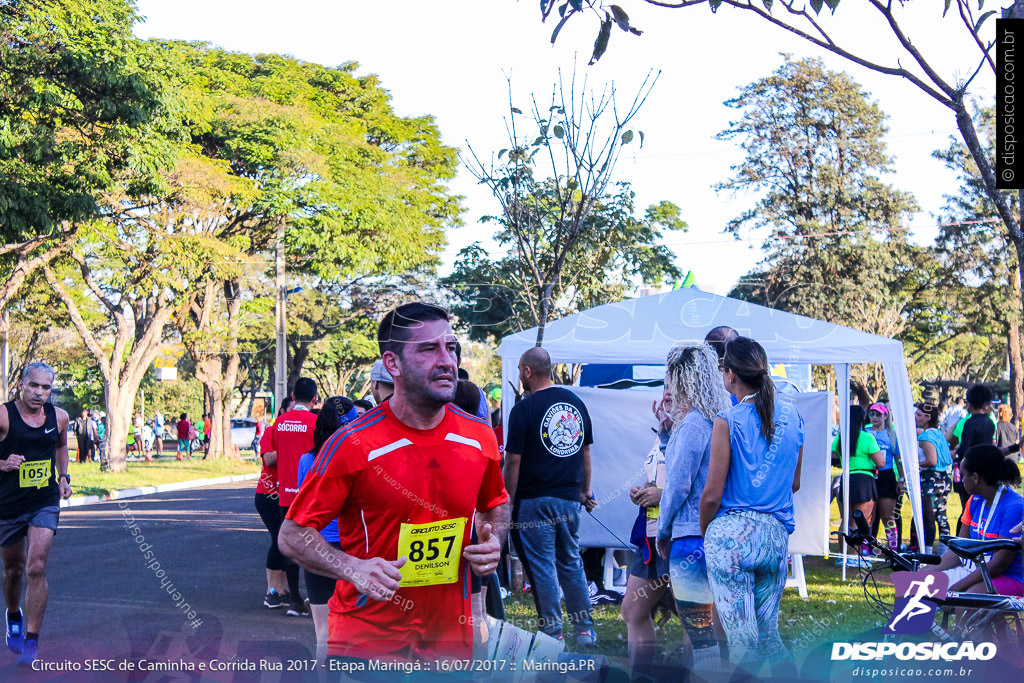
(746,512)
(992,511)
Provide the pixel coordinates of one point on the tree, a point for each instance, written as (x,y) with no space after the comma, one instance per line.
(75,89)
(814,153)
(340,362)
(137,267)
(615,252)
(359,189)
(578,139)
(915,68)
(981,259)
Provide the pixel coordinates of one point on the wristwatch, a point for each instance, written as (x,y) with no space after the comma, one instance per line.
(65,476)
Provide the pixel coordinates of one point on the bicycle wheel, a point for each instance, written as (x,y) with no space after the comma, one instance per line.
(978,625)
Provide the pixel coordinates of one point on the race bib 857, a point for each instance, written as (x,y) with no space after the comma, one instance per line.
(434,550)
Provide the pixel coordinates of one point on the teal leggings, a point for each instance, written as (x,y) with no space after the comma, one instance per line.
(746,557)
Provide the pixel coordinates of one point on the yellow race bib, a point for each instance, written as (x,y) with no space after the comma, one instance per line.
(34,474)
(652,512)
(434,550)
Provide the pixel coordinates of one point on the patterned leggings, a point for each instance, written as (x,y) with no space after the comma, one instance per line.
(935,488)
(746,556)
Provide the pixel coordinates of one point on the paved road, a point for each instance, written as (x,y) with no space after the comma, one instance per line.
(198,598)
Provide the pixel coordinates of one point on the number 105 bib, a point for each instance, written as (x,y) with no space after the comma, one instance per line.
(434,550)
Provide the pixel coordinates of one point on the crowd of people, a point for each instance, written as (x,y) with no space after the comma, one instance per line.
(146,439)
(390,515)
(342,492)
(946,434)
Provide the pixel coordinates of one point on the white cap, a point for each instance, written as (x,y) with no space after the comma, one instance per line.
(380,374)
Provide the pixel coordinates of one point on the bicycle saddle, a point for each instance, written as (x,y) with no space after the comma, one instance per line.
(971,548)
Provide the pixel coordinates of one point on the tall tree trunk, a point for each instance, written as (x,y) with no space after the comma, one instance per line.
(139,327)
(545,309)
(299,354)
(119,403)
(1013,350)
(216,357)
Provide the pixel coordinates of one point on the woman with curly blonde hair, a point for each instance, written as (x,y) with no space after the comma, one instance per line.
(695,385)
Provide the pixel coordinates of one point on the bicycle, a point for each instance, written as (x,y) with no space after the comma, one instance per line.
(984,610)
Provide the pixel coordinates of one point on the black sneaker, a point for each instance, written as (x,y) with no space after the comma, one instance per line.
(273,600)
(298,609)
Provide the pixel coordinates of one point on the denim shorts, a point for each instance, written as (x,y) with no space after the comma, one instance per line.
(654,569)
(13,530)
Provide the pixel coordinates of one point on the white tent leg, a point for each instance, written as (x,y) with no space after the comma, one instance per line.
(843,391)
(609,567)
(797,579)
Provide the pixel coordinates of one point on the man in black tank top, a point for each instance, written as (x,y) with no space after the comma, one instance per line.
(33,478)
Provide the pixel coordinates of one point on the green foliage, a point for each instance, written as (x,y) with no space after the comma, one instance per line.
(340,361)
(171,397)
(361,189)
(616,252)
(75,89)
(814,148)
(982,265)
(978,256)
(836,249)
(814,151)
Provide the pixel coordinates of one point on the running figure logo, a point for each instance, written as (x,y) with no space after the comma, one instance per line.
(914,612)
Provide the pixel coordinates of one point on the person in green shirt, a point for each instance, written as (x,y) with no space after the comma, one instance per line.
(865,457)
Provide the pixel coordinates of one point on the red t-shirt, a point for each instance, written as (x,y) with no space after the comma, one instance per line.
(291,435)
(375,474)
(183,427)
(268,475)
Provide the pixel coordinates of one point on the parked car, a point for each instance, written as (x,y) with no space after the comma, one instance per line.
(243,434)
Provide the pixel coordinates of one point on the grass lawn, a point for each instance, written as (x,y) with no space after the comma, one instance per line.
(835,610)
(87,480)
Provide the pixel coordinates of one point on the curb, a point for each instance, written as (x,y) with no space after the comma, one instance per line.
(76,501)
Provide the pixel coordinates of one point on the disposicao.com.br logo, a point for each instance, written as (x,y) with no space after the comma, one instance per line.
(914,613)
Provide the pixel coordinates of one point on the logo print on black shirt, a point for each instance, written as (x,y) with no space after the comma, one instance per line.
(561,430)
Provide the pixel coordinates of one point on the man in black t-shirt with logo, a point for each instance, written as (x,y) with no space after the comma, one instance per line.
(33,478)
(547,475)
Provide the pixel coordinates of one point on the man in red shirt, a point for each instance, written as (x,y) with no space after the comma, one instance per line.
(405,481)
(290,437)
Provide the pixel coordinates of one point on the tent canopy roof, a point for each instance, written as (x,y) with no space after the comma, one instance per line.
(640,331)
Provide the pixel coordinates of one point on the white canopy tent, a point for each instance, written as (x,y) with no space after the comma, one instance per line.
(641,331)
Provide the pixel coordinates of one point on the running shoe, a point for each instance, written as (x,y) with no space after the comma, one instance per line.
(15,634)
(586,638)
(298,609)
(273,600)
(28,654)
